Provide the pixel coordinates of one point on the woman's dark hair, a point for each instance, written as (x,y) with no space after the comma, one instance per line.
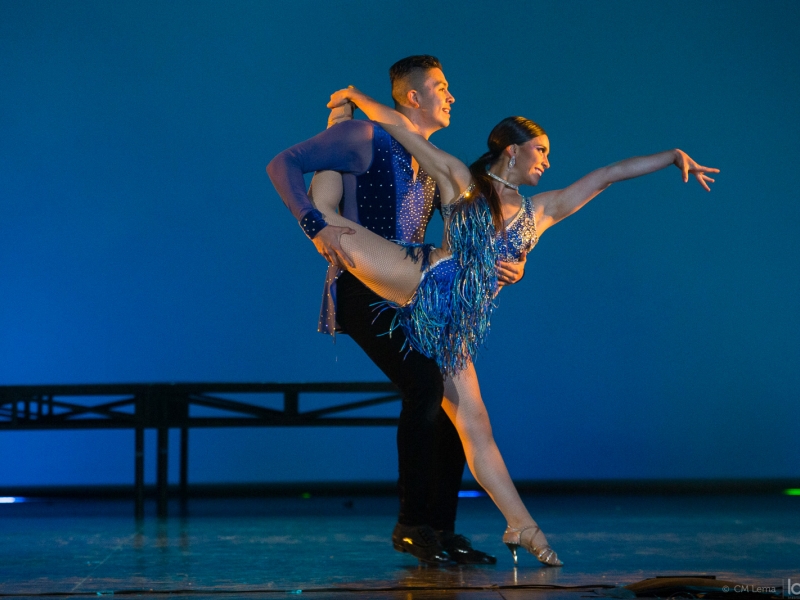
(511,130)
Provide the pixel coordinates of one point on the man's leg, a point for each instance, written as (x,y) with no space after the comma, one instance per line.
(447,470)
(421,386)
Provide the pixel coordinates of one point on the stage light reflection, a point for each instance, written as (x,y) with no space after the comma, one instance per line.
(471,494)
(11,500)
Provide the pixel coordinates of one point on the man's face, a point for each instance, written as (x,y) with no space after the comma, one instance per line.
(434,99)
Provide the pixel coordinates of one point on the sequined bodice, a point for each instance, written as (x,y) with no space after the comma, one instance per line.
(520,235)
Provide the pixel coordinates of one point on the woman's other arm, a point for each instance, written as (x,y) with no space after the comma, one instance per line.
(374,110)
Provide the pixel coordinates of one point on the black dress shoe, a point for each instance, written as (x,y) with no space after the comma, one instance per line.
(420,542)
(460,549)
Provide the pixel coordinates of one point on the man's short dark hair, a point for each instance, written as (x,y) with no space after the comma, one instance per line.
(406,68)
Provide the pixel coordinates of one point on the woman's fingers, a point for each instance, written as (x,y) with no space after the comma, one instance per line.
(338,98)
(699,171)
(341,97)
(703,179)
(689,165)
(697,167)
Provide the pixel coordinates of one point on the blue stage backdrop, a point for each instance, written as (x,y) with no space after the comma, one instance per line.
(655,334)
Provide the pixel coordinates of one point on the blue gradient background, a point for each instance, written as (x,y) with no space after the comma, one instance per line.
(655,334)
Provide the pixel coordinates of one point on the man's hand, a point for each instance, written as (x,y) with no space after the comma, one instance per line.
(329,245)
(509,273)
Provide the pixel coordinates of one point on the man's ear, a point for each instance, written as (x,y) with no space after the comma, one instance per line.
(413,98)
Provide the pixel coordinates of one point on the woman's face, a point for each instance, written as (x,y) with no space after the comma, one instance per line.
(532,160)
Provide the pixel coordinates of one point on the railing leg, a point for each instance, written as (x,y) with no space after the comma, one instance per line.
(184,465)
(291,402)
(138,470)
(163,460)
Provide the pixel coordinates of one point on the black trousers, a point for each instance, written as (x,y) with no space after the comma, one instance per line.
(430,455)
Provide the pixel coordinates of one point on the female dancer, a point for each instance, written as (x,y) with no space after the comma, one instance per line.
(445,311)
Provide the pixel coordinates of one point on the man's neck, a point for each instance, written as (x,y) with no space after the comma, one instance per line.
(415,116)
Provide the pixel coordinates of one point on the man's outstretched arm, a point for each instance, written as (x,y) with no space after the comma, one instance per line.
(346,148)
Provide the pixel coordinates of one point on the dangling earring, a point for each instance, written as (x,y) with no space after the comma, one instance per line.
(512,162)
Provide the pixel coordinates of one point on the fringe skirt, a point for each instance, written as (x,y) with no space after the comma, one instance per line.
(449,317)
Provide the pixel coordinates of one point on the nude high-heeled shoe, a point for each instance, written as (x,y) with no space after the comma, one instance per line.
(544,554)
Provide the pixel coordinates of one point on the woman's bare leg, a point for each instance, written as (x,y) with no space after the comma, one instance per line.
(464,405)
(381,265)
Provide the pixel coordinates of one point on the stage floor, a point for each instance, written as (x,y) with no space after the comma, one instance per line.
(338,547)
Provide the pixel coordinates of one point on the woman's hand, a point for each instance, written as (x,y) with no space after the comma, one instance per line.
(688,165)
(374,110)
(342,97)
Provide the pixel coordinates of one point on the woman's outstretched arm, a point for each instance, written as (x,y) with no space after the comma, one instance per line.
(451,175)
(554,206)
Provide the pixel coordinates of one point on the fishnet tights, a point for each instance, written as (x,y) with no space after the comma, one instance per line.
(381,265)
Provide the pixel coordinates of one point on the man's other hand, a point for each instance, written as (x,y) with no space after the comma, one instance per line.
(509,273)
(329,245)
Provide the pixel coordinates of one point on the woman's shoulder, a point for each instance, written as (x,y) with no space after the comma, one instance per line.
(469,192)
(467,196)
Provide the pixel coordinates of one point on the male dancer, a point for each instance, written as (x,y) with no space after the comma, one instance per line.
(385,191)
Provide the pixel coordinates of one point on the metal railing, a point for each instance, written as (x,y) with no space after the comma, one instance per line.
(165,406)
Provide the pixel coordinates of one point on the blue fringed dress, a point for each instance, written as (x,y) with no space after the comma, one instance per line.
(448,318)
